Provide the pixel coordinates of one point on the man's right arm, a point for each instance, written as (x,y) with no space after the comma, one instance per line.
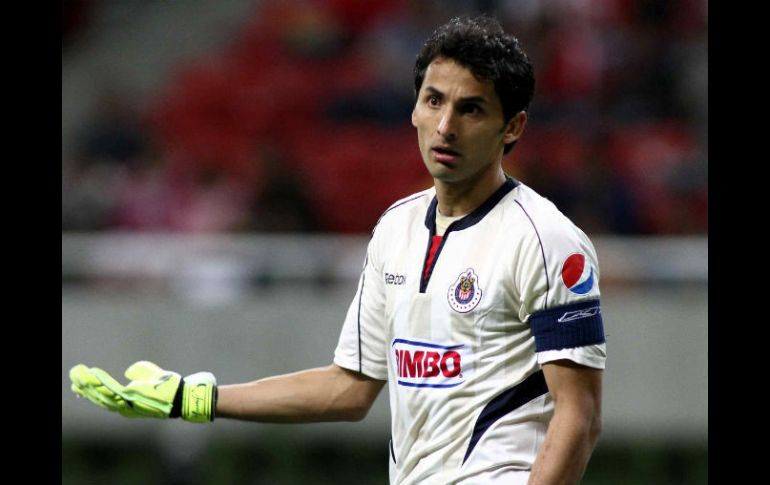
(323,394)
(331,393)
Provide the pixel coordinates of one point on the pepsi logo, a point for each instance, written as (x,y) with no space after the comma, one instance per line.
(576,275)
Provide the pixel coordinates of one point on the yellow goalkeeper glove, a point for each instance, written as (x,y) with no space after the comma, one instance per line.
(152,392)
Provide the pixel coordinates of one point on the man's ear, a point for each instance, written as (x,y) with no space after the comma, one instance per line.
(414,122)
(515,128)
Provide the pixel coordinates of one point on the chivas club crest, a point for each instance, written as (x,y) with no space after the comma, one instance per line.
(465,293)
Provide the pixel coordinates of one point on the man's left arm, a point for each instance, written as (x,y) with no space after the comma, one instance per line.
(574,429)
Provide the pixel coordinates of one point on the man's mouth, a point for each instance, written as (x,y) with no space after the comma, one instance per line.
(444,155)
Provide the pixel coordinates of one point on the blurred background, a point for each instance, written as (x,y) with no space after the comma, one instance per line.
(224,162)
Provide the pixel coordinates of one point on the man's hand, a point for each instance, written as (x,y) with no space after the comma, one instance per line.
(152,392)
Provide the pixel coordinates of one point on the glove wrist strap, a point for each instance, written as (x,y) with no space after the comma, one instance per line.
(198,397)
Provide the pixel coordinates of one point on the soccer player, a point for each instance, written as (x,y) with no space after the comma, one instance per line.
(478,304)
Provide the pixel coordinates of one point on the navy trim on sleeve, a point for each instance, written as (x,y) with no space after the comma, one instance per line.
(399,204)
(360,297)
(502,404)
(542,252)
(568,326)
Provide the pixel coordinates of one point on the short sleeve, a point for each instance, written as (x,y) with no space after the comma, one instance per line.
(362,345)
(588,355)
(557,278)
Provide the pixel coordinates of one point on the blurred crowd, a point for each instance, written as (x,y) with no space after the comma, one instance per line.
(302,121)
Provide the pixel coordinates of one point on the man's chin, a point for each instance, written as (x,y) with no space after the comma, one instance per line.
(443,172)
(447,177)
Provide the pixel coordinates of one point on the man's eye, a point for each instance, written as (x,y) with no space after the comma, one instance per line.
(471,109)
(433,100)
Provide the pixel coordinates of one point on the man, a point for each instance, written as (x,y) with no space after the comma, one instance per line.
(478,304)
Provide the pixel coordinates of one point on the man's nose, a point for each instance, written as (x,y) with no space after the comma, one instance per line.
(447,127)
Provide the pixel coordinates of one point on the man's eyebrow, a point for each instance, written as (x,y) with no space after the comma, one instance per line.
(474,99)
(469,99)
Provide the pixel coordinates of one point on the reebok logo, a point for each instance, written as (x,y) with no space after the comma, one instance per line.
(162,380)
(578,314)
(395,279)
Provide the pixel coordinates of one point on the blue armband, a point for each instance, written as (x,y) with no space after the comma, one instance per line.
(568,326)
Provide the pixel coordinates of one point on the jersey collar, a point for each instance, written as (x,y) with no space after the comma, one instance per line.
(476,215)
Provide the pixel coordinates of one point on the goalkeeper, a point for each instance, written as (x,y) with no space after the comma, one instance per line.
(478,304)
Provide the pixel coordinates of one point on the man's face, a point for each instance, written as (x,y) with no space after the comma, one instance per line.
(460,125)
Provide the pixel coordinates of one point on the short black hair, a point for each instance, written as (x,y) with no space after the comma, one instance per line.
(480,45)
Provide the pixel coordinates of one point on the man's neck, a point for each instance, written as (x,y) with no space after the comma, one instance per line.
(462,198)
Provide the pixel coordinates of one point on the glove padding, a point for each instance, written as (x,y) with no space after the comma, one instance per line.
(152,392)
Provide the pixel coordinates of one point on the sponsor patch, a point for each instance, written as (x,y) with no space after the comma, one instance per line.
(428,364)
(465,293)
(576,275)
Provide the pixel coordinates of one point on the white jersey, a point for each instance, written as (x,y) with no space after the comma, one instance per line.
(510,286)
